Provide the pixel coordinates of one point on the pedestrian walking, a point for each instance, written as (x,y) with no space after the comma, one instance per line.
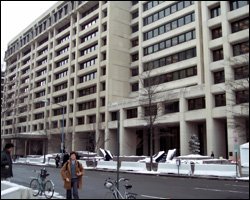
(212,154)
(6,162)
(65,158)
(57,160)
(72,173)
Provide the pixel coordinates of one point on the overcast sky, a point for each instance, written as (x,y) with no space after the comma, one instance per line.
(16,16)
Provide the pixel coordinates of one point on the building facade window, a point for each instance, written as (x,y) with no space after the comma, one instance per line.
(132,113)
(172,76)
(184,55)
(219,77)
(237,4)
(172,107)
(242,96)
(240,25)
(241,72)
(197,103)
(220,100)
(169,26)
(214,12)
(218,55)
(216,33)
(190,35)
(134,87)
(240,48)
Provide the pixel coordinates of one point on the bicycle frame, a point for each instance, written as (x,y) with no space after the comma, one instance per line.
(116,193)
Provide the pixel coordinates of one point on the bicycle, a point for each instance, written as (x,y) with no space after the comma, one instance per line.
(112,186)
(40,185)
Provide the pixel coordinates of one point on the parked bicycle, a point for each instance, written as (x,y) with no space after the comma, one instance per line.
(40,185)
(117,194)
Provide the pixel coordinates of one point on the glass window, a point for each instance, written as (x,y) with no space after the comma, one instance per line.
(162,45)
(168,43)
(174,24)
(181,38)
(161,30)
(167,11)
(150,50)
(216,33)
(150,19)
(156,47)
(180,22)
(168,27)
(219,77)
(173,8)
(156,17)
(180,5)
(150,34)
(215,12)
(161,14)
(188,36)
(174,41)
(156,32)
(188,19)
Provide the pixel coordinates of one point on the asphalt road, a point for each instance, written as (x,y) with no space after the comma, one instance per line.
(146,186)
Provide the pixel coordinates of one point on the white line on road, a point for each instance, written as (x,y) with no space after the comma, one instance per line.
(153,197)
(238,185)
(216,190)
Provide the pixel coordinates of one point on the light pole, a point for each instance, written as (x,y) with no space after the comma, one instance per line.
(62,125)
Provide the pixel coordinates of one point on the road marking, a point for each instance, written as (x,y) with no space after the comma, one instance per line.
(153,197)
(216,190)
(238,185)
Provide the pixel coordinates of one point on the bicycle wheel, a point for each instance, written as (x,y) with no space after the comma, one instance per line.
(35,186)
(49,189)
(109,195)
(131,196)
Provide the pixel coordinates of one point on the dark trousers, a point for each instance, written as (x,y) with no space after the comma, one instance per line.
(74,182)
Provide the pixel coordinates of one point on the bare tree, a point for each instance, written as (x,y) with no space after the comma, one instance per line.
(148,96)
(237,93)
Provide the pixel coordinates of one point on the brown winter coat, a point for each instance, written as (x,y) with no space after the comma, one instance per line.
(66,173)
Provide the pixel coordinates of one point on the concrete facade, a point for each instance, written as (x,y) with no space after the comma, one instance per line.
(92,60)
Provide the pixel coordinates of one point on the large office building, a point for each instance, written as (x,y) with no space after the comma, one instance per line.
(84,66)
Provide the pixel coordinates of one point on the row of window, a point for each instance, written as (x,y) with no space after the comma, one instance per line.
(88,37)
(41,83)
(60,41)
(184,55)
(60,98)
(87,77)
(87,91)
(88,63)
(169,26)
(91,10)
(61,86)
(63,51)
(151,4)
(170,42)
(61,74)
(172,76)
(166,12)
(88,50)
(60,111)
(235,27)
(87,105)
(89,24)
(238,49)
(63,62)
(39,115)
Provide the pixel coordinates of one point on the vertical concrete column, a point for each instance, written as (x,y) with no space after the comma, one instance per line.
(184,132)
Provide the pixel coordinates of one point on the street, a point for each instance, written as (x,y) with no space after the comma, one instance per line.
(146,186)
